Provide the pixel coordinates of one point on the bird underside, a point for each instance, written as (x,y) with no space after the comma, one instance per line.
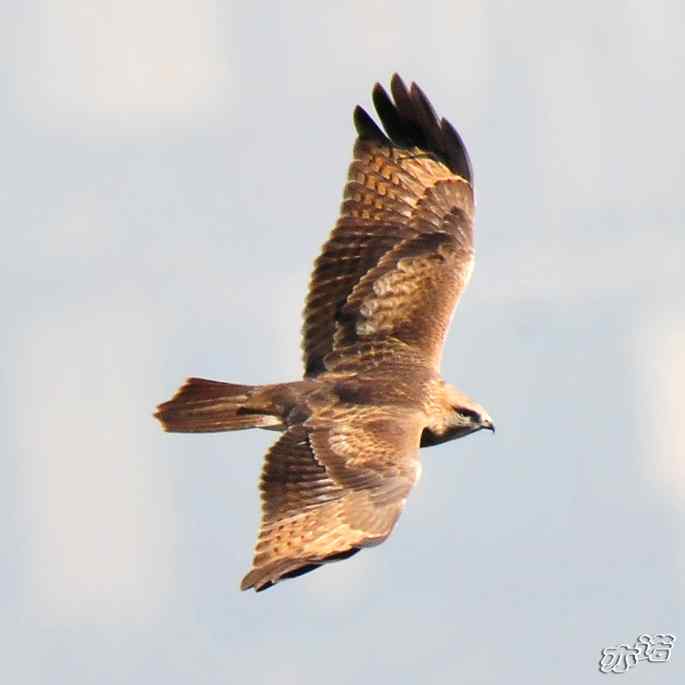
(380,302)
(338,477)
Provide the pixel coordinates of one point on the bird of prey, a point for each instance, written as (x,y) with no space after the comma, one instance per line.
(380,302)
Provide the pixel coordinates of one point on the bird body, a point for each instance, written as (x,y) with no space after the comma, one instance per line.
(380,303)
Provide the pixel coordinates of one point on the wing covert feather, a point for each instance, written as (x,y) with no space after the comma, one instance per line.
(414,180)
(329,490)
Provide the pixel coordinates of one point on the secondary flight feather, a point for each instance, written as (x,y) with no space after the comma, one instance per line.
(380,302)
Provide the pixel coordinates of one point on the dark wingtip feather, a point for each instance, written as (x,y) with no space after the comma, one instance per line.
(461,162)
(409,120)
(367,127)
(390,117)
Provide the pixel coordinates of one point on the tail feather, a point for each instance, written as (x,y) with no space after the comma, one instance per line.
(203,406)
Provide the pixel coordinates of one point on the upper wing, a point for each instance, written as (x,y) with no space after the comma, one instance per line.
(404,239)
(327,491)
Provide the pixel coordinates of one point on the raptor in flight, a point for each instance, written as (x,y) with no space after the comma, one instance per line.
(379,306)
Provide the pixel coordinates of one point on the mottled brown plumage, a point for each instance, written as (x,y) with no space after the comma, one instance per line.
(380,302)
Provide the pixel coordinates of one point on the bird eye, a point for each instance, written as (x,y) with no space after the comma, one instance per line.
(468,414)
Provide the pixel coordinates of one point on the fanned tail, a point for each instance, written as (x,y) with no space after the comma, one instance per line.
(203,406)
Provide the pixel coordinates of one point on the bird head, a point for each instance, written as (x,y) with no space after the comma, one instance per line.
(461,416)
(470,418)
(466,415)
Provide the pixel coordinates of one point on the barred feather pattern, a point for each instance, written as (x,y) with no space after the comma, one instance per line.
(396,193)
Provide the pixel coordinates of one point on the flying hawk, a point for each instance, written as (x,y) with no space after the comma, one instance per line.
(380,302)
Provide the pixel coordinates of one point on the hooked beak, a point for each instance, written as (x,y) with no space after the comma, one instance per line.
(489,425)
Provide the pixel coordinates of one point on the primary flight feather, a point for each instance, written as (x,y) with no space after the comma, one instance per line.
(380,302)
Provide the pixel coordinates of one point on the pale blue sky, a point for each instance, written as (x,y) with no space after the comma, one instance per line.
(170,171)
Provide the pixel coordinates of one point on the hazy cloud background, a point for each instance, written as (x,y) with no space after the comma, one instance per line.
(170,170)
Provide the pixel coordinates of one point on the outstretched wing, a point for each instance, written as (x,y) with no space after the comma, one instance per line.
(401,252)
(328,491)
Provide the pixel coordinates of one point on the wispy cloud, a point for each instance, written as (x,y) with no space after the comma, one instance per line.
(660,361)
(126,64)
(99,509)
